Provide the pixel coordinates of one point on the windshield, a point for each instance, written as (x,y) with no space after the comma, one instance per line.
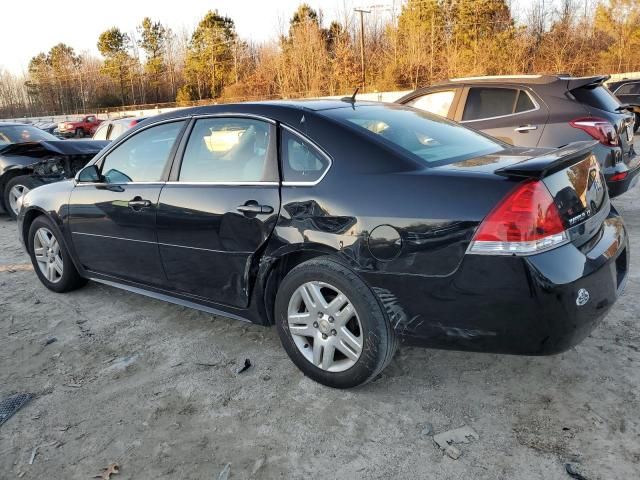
(23,133)
(432,139)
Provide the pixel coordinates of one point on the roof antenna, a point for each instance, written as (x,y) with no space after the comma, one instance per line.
(352,98)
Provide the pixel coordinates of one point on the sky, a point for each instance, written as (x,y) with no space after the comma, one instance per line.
(32,26)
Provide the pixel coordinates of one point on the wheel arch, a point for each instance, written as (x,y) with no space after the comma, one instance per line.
(280,263)
(28,219)
(7,175)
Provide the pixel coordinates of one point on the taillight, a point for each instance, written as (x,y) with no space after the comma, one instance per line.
(618,177)
(526,221)
(599,128)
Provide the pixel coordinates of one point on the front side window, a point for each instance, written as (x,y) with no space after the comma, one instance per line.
(436,102)
(91,119)
(228,150)
(429,138)
(301,161)
(489,102)
(142,157)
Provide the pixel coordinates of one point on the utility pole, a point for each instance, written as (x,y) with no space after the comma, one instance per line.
(361,11)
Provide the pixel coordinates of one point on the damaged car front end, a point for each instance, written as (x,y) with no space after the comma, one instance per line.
(25,166)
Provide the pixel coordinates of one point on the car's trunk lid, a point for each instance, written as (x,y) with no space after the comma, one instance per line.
(573,177)
(571,174)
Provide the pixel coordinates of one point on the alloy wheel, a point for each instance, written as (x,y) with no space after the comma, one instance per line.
(325,326)
(47,252)
(15,194)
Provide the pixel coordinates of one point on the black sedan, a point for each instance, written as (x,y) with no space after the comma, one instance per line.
(351,226)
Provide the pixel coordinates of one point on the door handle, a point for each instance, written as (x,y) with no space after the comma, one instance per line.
(525,128)
(254,208)
(138,203)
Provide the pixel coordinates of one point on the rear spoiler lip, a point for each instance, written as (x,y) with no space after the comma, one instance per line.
(547,163)
(573,83)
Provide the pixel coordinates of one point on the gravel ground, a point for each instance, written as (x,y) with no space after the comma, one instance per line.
(153,387)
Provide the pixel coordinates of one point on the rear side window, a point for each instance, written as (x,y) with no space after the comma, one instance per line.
(489,102)
(142,157)
(228,150)
(629,89)
(117,130)
(597,97)
(101,132)
(301,162)
(524,102)
(431,139)
(436,102)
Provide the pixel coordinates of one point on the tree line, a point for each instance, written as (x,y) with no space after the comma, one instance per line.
(424,42)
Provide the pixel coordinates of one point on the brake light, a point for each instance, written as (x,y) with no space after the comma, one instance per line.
(526,221)
(599,128)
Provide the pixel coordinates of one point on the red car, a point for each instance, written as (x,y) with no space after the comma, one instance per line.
(84,126)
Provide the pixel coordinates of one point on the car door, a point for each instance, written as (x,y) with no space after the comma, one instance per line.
(442,102)
(219,208)
(510,114)
(112,222)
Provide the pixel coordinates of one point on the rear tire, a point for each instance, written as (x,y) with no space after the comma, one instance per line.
(50,258)
(332,326)
(16,188)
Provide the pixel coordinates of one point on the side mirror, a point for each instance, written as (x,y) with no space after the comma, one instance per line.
(90,174)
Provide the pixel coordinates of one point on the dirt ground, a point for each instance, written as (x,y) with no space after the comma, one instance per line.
(153,387)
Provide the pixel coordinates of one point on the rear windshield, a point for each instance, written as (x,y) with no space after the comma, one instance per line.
(22,133)
(597,97)
(430,138)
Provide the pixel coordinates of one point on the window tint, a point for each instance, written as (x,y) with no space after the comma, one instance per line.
(597,97)
(301,161)
(436,102)
(228,150)
(489,102)
(524,102)
(430,138)
(101,132)
(141,158)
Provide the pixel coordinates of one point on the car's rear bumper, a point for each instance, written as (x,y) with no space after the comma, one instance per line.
(623,177)
(521,305)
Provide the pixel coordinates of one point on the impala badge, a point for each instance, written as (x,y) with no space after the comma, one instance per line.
(583,297)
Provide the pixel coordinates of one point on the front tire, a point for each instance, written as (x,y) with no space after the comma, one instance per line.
(79,133)
(331,324)
(15,189)
(50,258)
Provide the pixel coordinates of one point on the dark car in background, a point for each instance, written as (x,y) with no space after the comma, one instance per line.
(628,92)
(111,129)
(542,111)
(30,157)
(349,225)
